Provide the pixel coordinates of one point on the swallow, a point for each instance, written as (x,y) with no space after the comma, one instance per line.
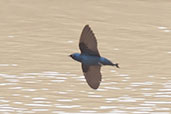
(90,58)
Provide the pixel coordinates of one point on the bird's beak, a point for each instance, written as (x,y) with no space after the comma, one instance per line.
(69,55)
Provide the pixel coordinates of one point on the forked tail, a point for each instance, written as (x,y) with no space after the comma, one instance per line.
(117,65)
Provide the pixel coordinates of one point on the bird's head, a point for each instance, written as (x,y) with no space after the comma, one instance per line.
(75,56)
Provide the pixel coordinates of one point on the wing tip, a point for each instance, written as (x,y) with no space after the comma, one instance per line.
(87,26)
(94,87)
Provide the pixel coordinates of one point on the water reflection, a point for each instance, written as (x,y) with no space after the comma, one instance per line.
(164,29)
(19,100)
(37,77)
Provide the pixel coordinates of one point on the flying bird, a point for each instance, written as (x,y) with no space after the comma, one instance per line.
(90,58)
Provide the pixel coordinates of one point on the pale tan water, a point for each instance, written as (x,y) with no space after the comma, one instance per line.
(38,77)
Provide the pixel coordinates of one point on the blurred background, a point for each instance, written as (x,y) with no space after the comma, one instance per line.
(38,77)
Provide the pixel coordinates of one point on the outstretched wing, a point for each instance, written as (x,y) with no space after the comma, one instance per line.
(88,42)
(92,75)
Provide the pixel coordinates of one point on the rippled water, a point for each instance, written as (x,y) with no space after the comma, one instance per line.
(37,76)
(54,92)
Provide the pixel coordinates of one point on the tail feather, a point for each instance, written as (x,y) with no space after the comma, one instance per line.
(117,65)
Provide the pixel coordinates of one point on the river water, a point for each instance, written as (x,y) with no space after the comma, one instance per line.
(38,77)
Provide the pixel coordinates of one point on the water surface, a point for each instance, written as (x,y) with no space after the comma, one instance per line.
(38,77)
